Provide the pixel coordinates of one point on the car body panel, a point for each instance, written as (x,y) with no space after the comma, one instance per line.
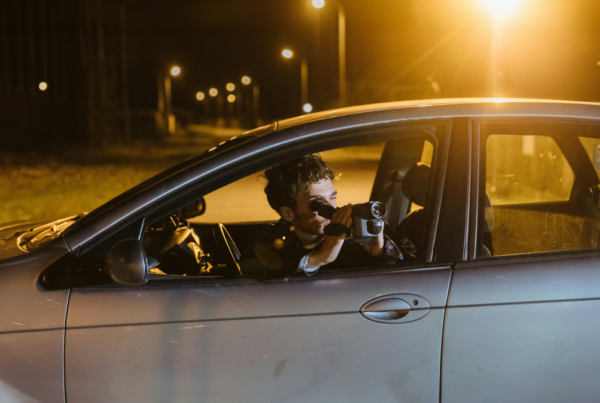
(293,341)
(32,324)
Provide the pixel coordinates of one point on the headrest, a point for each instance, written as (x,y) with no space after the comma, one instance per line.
(415,182)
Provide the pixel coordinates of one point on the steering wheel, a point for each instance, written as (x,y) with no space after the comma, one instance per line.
(228,249)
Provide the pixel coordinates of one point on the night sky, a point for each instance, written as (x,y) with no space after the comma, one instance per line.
(548,48)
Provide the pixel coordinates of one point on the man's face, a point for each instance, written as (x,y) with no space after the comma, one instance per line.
(309,221)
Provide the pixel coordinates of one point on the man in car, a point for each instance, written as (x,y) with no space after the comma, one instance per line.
(297,243)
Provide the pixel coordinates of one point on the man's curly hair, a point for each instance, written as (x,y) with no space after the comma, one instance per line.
(288,180)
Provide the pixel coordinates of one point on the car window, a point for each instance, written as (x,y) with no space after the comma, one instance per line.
(526,169)
(380,176)
(533,200)
(590,143)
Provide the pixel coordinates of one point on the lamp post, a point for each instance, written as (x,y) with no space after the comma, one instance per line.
(165,107)
(288,54)
(256,121)
(341,46)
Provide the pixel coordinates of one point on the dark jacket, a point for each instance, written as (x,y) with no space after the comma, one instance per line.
(277,253)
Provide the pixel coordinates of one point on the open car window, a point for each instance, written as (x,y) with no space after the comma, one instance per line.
(213,244)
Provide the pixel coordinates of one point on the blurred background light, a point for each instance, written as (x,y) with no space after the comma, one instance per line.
(318,3)
(43,86)
(213,92)
(200,96)
(307,108)
(246,80)
(175,71)
(287,53)
(230,87)
(230,98)
(500,8)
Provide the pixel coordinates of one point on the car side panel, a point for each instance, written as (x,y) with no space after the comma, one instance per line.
(523,332)
(302,341)
(31,331)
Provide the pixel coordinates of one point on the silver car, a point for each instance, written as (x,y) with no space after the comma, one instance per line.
(501,199)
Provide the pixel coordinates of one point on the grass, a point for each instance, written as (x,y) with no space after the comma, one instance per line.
(44,185)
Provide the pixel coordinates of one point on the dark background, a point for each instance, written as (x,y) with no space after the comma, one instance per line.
(101,58)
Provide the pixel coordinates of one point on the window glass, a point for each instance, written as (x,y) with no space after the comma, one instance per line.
(532,202)
(590,144)
(526,169)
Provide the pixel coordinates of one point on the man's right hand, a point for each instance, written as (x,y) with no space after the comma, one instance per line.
(331,246)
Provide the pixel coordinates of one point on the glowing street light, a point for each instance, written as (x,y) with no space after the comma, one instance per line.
(500,8)
(175,71)
(43,86)
(230,87)
(200,96)
(307,108)
(246,80)
(303,76)
(230,98)
(213,92)
(318,3)
(287,53)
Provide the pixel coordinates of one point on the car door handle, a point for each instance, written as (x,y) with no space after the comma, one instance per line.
(395,308)
(387,309)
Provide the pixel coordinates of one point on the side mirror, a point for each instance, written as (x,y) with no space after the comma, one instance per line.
(597,157)
(127,263)
(193,209)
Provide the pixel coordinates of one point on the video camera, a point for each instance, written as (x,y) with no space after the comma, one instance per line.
(366,218)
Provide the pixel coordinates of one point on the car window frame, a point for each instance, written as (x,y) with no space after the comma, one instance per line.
(374,133)
(548,126)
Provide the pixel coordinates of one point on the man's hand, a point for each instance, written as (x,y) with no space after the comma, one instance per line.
(375,245)
(331,246)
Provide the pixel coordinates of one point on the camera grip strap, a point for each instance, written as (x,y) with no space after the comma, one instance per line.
(335,229)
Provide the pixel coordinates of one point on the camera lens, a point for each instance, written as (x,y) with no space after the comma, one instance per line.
(378,209)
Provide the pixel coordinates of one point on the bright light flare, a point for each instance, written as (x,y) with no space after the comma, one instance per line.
(230,87)
(230,98)
(43,86)
(213,92)
(175,71)
(318,3)
(246,80)
(500,8)
(307,108)
(200,96)
(287,53)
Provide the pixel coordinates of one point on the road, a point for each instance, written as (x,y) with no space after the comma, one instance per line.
(245,200)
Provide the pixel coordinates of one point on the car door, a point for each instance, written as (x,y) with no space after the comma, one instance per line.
(296,339)
(523,318)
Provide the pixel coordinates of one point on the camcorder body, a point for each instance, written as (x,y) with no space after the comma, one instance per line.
(366,219)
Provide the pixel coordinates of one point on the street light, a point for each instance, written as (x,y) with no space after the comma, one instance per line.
(164,95)
(341,46)
(230,87)
(230,98)
(303,76)
(200,96)
(255,100)
(43,86)
(500,9)
(307,108)
(213,92)
(246,80)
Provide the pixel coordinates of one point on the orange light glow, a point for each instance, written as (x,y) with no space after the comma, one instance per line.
(500,8)
(200,96)
(246,80)
(287,53)
(230,87)
(213,92)
(318,3)
(175,71)
(43,86)
(231,98)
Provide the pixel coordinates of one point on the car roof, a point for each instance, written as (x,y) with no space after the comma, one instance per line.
(128,205)
(456,107)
